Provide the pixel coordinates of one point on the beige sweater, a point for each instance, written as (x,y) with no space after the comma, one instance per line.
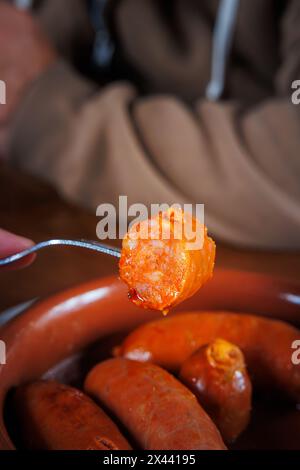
(240,156)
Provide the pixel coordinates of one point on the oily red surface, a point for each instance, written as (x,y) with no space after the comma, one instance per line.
(266,344)
(216,373)
(160,269)
(52,416)
(158,411)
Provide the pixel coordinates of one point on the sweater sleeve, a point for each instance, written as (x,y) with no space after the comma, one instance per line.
(243,164)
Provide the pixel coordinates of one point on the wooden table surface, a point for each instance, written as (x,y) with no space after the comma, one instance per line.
(33,209)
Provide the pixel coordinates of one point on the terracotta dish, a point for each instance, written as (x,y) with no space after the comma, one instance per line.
(64,336)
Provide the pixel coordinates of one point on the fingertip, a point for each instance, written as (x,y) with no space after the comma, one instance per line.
(10,244)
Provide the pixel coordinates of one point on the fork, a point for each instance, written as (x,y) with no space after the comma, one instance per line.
(88,244)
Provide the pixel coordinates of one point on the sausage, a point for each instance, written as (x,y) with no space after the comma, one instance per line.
(56,417)
(162,270)
(217,375)
(158,411)
(265,343)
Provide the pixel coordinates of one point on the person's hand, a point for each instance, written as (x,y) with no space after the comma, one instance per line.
(11,244)
(25,53)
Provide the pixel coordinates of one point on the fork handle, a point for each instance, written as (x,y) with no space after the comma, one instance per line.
(88,244)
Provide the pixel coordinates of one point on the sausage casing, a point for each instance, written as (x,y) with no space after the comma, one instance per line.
(217,375)
(56,417)
(265,343)
(158,411)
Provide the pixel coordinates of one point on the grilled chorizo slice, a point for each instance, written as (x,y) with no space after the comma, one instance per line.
(162,264)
